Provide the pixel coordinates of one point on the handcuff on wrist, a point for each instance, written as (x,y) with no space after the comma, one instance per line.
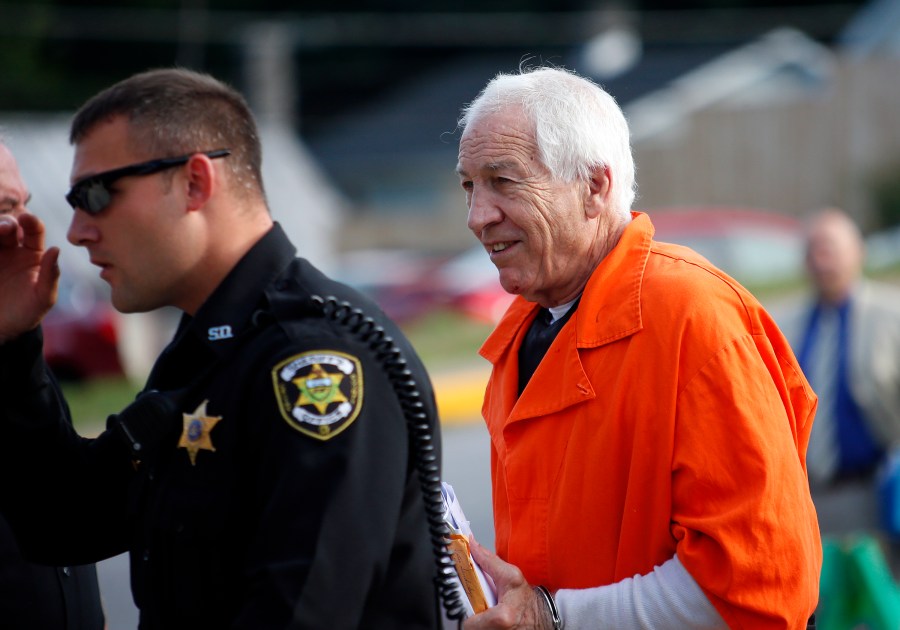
(551,605)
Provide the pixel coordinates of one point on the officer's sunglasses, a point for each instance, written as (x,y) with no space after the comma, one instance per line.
(92,193)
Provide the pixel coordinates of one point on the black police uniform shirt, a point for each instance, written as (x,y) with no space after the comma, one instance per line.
(287,495)
(39,597)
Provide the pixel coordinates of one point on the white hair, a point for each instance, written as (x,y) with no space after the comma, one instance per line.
(577,125)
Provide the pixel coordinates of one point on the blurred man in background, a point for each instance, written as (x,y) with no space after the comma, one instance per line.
(847,339)
(35,596)
(648,423)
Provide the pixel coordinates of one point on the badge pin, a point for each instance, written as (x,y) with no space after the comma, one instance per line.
(195,434)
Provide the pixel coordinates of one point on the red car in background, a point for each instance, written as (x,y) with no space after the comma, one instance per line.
(469,283)
(81,334)
(755,247)
(399,280)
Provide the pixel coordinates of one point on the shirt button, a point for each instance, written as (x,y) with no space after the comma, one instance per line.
(67,571)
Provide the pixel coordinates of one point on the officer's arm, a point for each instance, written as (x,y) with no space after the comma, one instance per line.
(50,474)
(333,467)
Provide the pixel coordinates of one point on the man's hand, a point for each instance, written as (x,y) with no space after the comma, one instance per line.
(29,275)
(518,606)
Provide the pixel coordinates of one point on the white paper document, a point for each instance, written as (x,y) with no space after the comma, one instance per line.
(476,590)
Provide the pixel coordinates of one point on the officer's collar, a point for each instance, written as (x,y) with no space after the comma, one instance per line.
(227,313)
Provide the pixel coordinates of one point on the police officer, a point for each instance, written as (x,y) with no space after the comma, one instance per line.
(35,596)
(40,597)
(264,478)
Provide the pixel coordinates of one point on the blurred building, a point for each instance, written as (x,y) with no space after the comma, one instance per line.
(785,121)
(781,123)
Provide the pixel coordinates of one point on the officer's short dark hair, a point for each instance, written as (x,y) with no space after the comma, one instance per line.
(174,111)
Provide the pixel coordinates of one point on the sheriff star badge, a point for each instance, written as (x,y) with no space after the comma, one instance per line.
(195,435)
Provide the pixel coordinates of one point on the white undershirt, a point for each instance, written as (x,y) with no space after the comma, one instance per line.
(667,597)
(560,311)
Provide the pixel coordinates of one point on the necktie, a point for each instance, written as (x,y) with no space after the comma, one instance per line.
(537,341)
(822,453)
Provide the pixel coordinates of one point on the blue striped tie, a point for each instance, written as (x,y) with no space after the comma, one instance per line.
(822,454)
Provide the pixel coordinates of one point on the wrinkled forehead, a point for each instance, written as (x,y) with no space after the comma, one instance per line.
(10,178)
(510,117)
(500,136)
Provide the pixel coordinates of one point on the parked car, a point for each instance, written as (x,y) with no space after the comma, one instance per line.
(81,334)
(469,283)
(755,247)
(408,284)
(399,280)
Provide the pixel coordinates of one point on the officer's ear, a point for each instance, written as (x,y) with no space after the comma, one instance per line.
(599,186)
(202,179)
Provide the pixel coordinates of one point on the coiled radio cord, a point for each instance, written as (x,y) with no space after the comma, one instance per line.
(391,358)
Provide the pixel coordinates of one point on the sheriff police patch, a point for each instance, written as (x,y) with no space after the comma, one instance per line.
(320,392)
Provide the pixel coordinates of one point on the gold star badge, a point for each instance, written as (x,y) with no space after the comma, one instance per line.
(319,389)
(195,435)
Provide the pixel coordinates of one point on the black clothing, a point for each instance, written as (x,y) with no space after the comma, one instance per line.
(38,597)
(538,339)
(286,496)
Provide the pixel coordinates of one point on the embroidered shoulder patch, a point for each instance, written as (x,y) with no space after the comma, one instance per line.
(319,393)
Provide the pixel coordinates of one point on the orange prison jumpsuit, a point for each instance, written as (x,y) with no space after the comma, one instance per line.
(669,415)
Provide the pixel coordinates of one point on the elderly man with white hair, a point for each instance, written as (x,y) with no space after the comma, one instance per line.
(648,420)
